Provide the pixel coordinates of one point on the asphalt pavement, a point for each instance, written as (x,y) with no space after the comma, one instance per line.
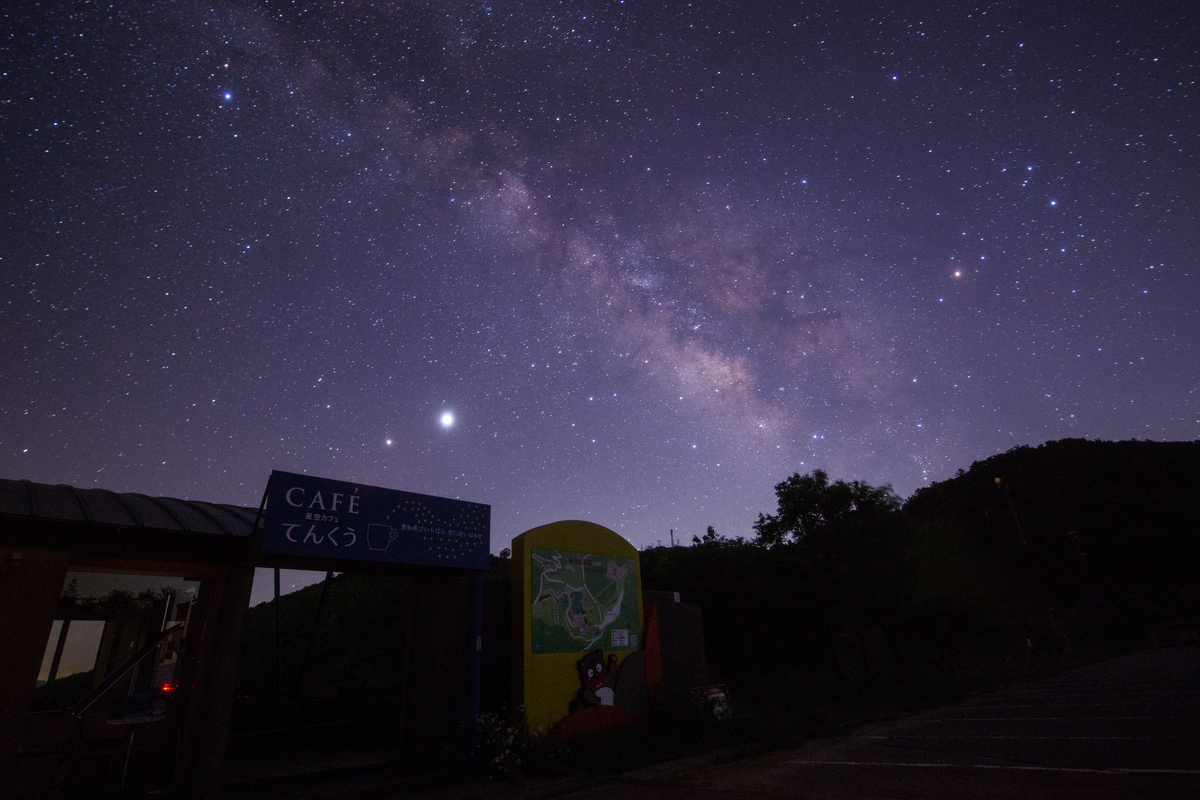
(1126,728)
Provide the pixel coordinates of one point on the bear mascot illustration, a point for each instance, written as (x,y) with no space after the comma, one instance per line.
(597,678)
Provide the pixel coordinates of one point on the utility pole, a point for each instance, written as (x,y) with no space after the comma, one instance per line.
(1008,496)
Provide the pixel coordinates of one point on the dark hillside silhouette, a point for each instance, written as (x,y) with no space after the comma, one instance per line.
(1101,519)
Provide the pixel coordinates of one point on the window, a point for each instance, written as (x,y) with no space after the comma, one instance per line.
(126,626)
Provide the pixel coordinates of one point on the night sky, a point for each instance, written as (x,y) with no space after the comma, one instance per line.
(653,258)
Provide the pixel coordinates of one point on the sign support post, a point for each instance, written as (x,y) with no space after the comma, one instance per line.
(278,640)
(475,673)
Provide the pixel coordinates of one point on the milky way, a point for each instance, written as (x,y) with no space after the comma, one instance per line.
(651,258)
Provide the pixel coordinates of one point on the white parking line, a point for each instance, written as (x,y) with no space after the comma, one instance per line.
(1054,719)
(1073,705)
(1012,767)
(1050,738)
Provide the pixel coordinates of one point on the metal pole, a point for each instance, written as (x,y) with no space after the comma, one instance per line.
(312,632)
(475,668)
(278,640)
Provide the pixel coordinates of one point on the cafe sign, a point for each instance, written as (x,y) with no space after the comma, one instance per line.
(327,519)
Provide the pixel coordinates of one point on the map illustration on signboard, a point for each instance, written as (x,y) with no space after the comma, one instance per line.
(582,602)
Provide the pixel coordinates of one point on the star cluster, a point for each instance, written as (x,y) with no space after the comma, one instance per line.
(649,258)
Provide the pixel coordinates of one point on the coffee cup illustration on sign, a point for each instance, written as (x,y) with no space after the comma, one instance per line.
(380,536)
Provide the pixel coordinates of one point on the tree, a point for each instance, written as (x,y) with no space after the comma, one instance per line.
(710,537)
(809,504)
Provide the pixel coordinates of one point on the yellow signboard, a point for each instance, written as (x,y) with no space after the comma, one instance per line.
(579,588)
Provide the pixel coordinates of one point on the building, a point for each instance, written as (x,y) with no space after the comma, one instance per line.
(121,616)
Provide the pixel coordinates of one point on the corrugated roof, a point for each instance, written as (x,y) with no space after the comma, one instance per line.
(100,506)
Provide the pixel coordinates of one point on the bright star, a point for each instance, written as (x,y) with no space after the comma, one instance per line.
(447,419)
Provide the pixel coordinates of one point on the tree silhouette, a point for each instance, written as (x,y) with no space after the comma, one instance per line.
(809,504)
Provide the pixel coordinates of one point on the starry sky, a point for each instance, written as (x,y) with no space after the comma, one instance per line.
(651,258)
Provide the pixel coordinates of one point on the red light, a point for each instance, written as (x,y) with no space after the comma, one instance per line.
(167,688)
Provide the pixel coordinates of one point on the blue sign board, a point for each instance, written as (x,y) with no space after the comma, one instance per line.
(327,519)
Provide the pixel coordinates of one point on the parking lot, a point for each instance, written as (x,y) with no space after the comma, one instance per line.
(1127,728)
